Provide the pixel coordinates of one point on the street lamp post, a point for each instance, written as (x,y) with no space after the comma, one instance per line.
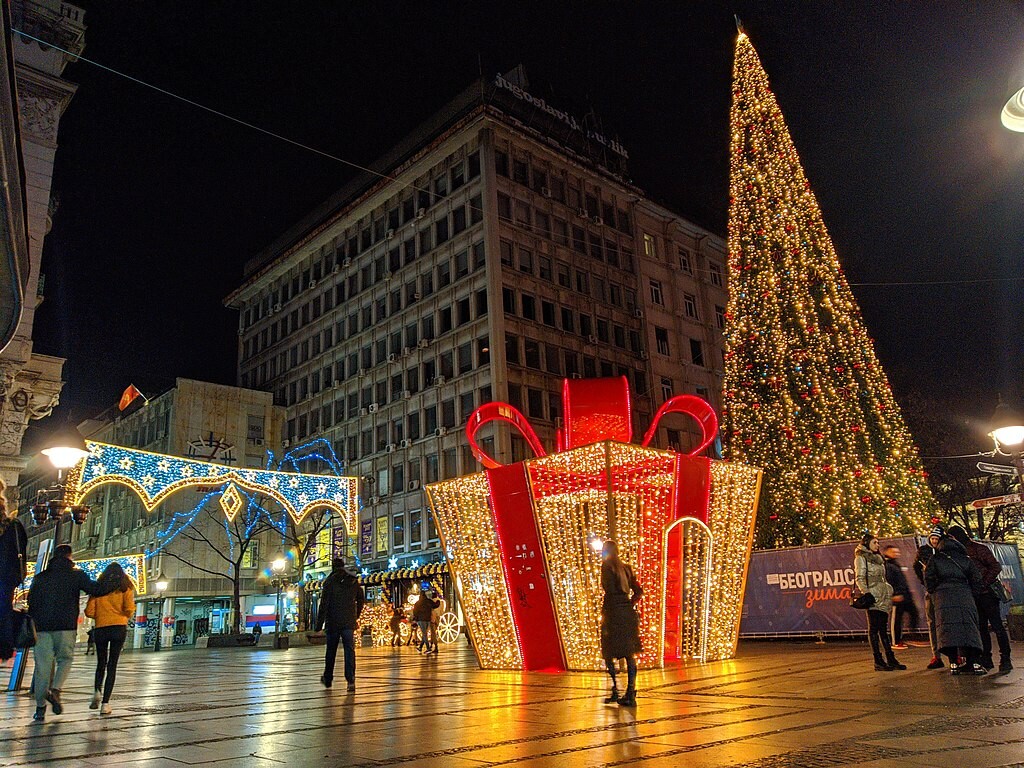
(160,585)
(277,566)
(64,449)
(1008,435)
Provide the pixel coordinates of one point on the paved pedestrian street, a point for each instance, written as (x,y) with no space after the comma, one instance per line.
(777,705)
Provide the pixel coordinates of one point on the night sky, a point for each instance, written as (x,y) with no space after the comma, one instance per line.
(894,108)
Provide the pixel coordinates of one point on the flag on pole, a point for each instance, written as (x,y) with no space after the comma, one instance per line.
(129,396)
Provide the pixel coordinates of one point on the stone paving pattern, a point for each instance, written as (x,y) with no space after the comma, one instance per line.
(778,705)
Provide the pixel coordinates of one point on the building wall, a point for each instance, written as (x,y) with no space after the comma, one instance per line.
(494,265)
(32,382)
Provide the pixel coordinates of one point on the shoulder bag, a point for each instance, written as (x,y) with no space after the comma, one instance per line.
(23,629)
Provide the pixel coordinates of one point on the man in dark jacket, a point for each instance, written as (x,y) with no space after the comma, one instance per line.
(924,554)
(989,612)
(902,599)
(421,615)
(341,602)
(53,603)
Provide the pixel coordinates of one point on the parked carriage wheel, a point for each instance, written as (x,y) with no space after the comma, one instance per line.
(448,628)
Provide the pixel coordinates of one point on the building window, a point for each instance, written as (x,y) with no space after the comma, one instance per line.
(650,249)
(661,337)
(666,389)
(529,305)
(720,316)
(526,261)
(656,295)
(508,301)
(398,531)
(506,253)
(532,354)
(690,305)
(684,261)
(696,352)
(715,271)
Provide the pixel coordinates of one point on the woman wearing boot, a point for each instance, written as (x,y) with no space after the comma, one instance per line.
(111,613)
(620,625)
(869,567)
(952,579)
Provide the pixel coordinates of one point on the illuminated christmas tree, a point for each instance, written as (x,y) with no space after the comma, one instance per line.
(806,398)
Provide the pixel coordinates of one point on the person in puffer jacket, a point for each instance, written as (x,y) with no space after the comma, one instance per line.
(952,579)
(869,567)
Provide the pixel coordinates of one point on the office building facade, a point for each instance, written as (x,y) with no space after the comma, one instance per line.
(502,250)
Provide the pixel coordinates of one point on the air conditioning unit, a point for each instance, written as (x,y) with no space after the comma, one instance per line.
(277,307)
(405,351)
(374,499)
(362,372)
(423,343)
(405,443)
(346,262)
(389,234)
(90,543)
(389,448)
(439,381)
(373,408)
(337,268)
(312,284)
(257,441)
(576,376)
(545,191)
(139,523)
(406,394)
(581,212)
(643,354)
(414,485)
(115,532)
(597,220)
(421,213)
(638,313)
(417,296)
(387,275)
(241,331)
(392,357)
(362,411)
(440,431)
(286,443)
(591,339)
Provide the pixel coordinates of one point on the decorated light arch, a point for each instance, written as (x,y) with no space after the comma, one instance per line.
(522,540)
(155,476)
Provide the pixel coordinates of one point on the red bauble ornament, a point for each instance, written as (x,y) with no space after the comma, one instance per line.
(812,503)
(857,473)
(805,451)
(865,499)
(893,503)
(855,428)
(827,468)
(879,468)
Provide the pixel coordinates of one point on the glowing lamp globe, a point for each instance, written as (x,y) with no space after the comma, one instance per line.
(65,448)
(1013,112)
(161,582)
(278,563)
(1007,427)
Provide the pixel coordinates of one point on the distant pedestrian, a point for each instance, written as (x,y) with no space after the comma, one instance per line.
(620,624)
(902,598)
(13,542)
(111,613)
(90,639)
(435,618)
(53,603)
(421,611)
(395,624)
(952,579)
(257,631)
(341,602)
(869,567)
(990,614)
(924,554)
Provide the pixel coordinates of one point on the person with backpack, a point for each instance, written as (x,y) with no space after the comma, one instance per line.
(341,602)
(111,613)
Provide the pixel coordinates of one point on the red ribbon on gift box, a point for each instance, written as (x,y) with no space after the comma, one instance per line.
(595,410)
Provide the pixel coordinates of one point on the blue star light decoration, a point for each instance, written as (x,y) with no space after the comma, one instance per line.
(241,492)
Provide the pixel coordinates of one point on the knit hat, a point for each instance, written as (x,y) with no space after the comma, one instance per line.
(866,538)
(938,530)
(959,534)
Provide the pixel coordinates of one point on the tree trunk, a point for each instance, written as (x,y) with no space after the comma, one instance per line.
(236,603)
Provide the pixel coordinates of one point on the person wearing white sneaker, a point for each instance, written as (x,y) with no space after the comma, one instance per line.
(111,612)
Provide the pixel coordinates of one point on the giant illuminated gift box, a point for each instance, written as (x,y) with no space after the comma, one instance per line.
(523,540)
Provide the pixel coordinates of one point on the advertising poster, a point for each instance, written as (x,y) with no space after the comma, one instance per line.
(381,534)
(807,590)
(366,538)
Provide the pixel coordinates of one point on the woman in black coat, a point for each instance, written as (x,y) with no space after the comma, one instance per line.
(620,625)
(951,579)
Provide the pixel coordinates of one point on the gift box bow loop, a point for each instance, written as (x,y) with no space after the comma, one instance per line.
(595,410)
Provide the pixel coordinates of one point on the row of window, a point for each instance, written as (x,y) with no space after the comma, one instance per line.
(385,349)
(379,226)
(371,398)
(565,189)
(569,320)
